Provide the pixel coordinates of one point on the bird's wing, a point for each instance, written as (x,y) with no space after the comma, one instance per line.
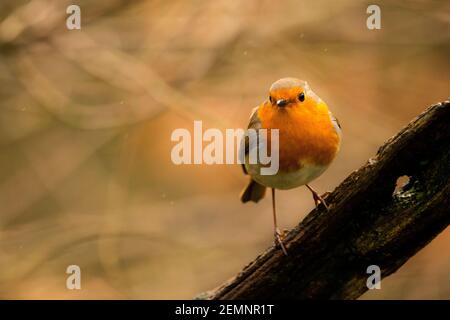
(254,123)
(246,144)
(336,124)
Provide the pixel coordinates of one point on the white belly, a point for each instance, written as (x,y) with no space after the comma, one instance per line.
(286,180)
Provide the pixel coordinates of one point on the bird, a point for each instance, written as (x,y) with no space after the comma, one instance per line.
(309,140)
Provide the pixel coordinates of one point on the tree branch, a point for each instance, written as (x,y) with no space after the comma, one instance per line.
(370,222)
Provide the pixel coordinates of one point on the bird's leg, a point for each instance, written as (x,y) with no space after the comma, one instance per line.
(277,233)
(317,198)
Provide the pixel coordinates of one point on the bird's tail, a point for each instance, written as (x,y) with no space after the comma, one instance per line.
(253,192)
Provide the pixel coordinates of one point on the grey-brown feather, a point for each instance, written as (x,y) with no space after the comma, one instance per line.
(288,83)
(254,123)
(253,191)
(336,124)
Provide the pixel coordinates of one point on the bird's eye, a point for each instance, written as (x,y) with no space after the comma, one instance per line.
(301,97)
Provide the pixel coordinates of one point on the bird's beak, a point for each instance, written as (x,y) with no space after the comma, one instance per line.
(282,102)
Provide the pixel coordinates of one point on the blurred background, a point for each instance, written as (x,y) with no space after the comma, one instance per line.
(86,117)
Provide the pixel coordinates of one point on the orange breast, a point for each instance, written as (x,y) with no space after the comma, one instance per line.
(306,134)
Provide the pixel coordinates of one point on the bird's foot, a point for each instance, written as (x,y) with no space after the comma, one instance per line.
(279,236)
(320,199)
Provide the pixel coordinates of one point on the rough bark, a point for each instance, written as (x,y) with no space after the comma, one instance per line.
(369,222)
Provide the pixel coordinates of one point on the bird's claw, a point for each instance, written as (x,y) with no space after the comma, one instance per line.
(279,236)
(320,200)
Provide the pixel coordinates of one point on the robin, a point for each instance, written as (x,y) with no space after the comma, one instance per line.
(309,139)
